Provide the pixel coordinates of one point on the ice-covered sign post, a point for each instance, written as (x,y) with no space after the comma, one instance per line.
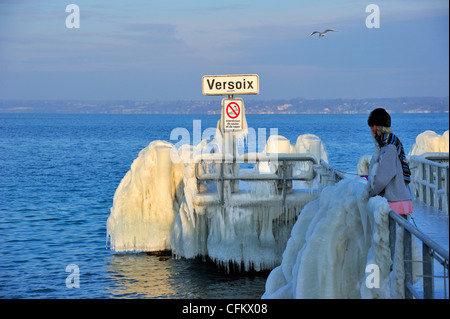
(232,124)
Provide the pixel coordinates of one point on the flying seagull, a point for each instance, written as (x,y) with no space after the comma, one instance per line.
(321,34)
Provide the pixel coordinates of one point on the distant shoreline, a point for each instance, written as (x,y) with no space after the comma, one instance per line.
(416,105)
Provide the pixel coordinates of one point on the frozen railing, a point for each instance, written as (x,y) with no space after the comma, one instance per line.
(439,157)
(328,175)
(431,252)
(430,179)
(226,170)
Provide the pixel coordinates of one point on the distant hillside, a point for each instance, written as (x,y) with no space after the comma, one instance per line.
(212,106)
(351,106)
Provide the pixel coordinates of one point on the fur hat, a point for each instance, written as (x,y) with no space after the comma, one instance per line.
(379,117)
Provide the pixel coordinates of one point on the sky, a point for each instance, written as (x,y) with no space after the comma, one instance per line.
(160,49)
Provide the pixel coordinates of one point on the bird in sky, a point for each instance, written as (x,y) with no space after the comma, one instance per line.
(321,34)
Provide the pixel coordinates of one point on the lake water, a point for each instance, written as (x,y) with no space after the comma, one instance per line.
(58,178)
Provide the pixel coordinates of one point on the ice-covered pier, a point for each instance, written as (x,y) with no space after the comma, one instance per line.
(284,209)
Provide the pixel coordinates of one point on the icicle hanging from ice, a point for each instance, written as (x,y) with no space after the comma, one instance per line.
(378,260)
(250,237)
(188,239)
(243,236)
(262,189)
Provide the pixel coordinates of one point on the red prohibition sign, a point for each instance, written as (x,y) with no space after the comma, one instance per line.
(233,110)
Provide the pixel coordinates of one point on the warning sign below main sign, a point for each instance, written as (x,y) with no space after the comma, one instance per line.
(232,114)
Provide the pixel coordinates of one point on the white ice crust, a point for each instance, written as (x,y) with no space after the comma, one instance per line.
(430,142)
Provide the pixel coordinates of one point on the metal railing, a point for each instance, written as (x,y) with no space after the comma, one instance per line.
(430,181)
(431,252)
(439,157)
(328,175)
(225,170)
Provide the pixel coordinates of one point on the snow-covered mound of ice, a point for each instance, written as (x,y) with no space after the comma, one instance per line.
(306,143)
(310,143)
(363,165)
(337,243)
(147,201)
(430,141)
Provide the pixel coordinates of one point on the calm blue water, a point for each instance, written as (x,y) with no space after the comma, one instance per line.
(58,178)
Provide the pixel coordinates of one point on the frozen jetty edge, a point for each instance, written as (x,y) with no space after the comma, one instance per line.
(178,200)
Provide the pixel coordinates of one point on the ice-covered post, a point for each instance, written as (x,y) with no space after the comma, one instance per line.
(164,171)
(231,124)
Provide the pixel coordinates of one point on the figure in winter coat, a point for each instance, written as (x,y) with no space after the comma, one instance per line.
(389,169)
